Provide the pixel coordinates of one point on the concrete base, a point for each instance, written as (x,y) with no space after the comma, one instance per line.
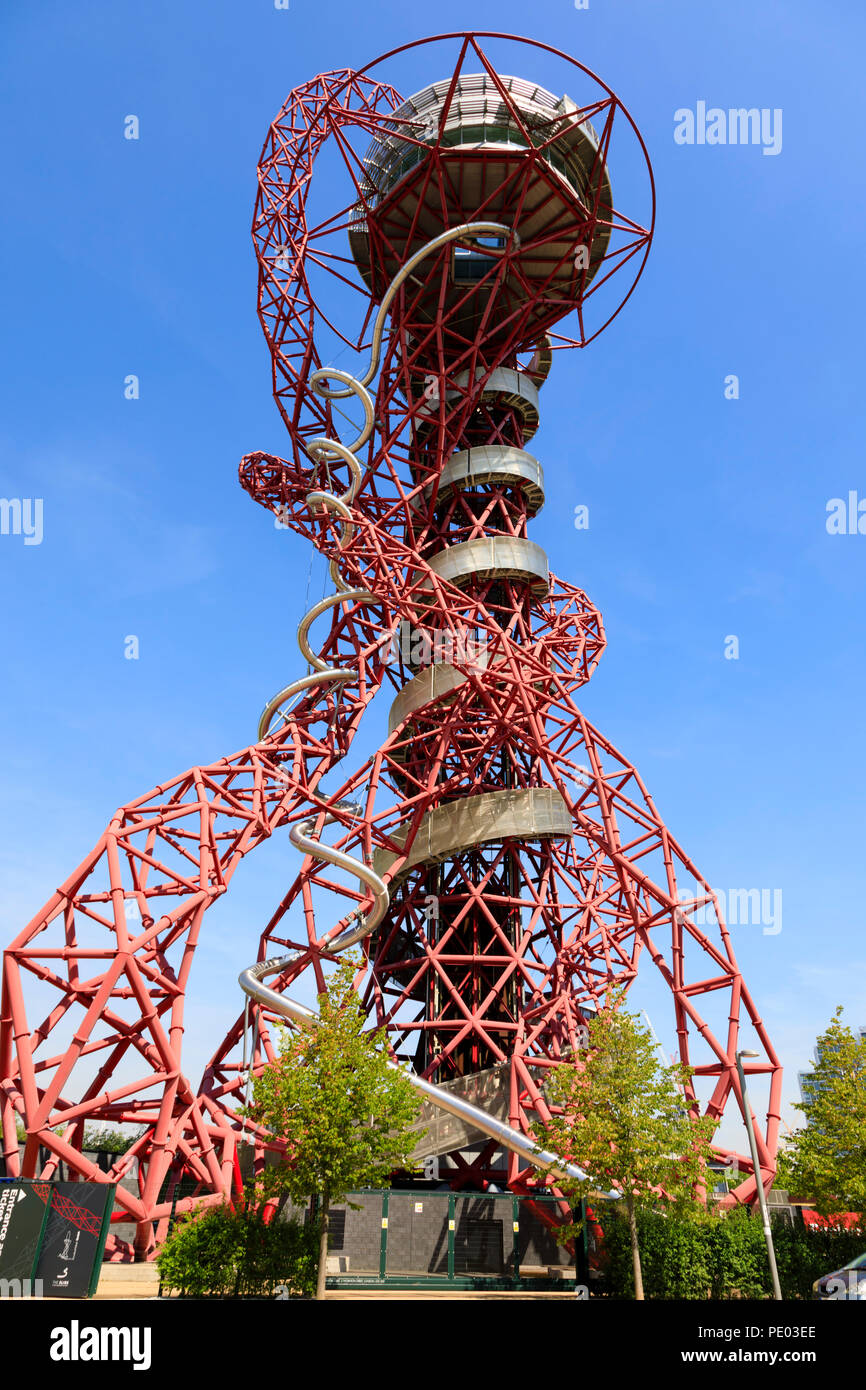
(128,1281)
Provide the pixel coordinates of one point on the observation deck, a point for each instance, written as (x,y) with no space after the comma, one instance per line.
(510,147)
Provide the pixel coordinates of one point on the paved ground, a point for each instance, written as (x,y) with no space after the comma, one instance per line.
(341,1294)
(142,1282)
(133,1291)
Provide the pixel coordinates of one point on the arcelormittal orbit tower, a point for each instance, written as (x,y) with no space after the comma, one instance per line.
(498,862)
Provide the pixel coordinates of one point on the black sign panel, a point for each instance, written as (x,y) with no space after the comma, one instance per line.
(74,1238)
(23,1209)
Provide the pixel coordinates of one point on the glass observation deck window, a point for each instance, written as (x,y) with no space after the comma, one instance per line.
(469,264)
(401,161)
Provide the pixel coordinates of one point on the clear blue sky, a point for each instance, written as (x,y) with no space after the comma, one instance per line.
(707,515)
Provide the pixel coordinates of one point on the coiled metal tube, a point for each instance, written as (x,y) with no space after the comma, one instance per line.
(321,448)
(251,982)
(301,835)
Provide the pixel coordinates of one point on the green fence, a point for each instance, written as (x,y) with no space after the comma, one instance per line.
(420,1239)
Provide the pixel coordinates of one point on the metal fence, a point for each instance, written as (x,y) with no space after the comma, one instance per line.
(419,1238)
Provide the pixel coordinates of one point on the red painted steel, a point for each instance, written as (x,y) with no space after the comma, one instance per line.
(526,936)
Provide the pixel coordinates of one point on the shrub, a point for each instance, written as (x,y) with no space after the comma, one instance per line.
(719,1256)
(675,1255)
(739,1255)
(804,1255)
(108,1140)
(225,1253)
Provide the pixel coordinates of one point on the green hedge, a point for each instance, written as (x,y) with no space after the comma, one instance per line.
(109,1140)
(226,1253)
(719,1256)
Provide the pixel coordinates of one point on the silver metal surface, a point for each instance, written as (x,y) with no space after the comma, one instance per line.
(430,684)
(442,1132)
(477,100)
(504,387)
(323,448)
(493,463)
(494,557)
(756,1165)
(527,813)
(251,982)
(478,122)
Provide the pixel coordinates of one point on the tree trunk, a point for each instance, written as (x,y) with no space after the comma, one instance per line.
(324,1211)
(635,1252)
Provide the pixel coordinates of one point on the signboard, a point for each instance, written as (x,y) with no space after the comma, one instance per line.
(74,1238)
(23,1214)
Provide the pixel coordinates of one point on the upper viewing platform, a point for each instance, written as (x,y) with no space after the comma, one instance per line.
(507,150)
(479,116)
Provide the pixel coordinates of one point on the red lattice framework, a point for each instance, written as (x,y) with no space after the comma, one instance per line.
(528,935)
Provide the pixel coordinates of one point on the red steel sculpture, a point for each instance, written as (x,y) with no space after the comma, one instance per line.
(527,868)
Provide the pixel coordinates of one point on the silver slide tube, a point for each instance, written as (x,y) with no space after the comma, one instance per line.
(301,835)
(251,982)
(325,449)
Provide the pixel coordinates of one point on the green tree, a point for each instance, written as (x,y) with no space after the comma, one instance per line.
(825,1161)
(343,1111)
(628,1122)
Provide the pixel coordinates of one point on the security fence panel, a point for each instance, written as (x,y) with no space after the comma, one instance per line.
(355,1243)
(417,1233)
(482,1236)
(537,1244)
(413,1237)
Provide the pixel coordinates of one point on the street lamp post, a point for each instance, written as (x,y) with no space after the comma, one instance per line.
(762,1196)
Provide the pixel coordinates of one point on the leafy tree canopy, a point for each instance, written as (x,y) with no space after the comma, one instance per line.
(629,1121)
(825,1161)
(343,1111)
